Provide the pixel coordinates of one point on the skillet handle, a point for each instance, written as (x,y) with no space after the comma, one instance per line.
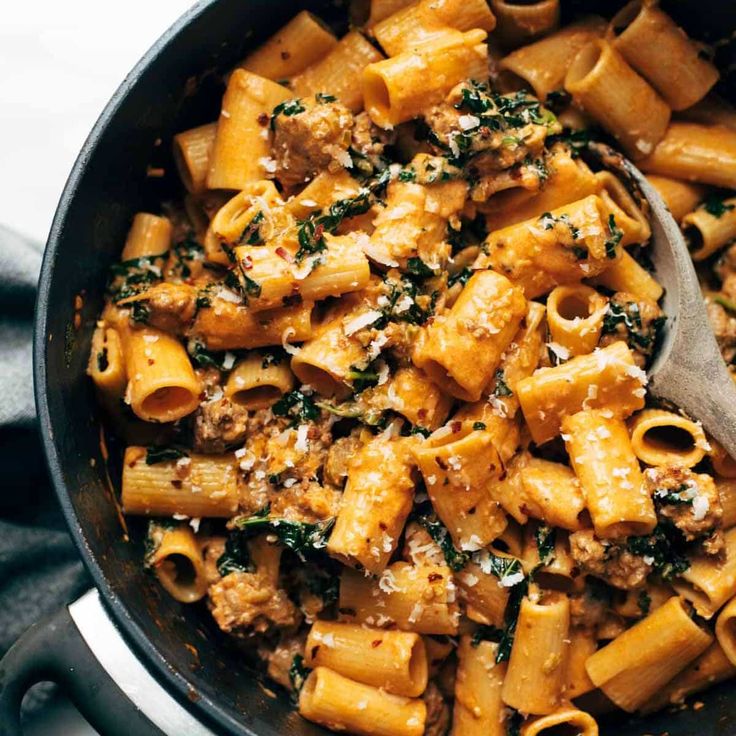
(55,650)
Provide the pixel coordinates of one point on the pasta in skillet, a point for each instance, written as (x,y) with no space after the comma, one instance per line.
(385,369)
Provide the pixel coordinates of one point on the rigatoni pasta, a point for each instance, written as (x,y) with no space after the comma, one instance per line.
(384,369)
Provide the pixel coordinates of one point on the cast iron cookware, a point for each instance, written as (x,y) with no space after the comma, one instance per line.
(175,86)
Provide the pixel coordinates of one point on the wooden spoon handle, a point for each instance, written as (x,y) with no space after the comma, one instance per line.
(688,370)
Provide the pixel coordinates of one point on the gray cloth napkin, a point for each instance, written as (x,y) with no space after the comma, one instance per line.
(39,566)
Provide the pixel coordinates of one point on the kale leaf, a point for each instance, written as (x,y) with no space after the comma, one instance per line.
(297,406)
(159,454)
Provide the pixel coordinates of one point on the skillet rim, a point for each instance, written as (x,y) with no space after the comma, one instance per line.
(174,682)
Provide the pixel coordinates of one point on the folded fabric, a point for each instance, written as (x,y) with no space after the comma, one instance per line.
(39,566)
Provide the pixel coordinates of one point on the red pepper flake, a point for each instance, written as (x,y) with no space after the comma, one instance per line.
(441,462)
(246,262)
(283,253)
(263,119)
(376,643)
(456,427)
(176,483)
(433,577)
(285,55)
(422,413)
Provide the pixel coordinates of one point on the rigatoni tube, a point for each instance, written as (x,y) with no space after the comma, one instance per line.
(377,500)
(409,28)
(304,40)
(458,468)
(339,73)
(341,704)
(402,87)
(635,665)
(575,317)
(226,325)
(419,598)
(544,63)
(462,348)
(479,710)
(607,378)
(661,437)
(272,277)
(627,275)
(607,88)
(196,486)
(177,562)
(701,153)
(241,143)
(393,660)
(710,581)
(162,385)
(663,54)
(192,152)
(536,670)
(564,246)
(604,461)
(706,233)
(570,179)
(521,22)
(149,235)
(257,383)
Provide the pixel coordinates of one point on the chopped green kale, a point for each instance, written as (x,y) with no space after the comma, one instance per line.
(159,454)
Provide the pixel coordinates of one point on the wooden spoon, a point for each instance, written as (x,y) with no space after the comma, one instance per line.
(688,370)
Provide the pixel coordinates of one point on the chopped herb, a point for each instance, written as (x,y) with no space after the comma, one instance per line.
(577,140)
(545,537)
(326,586)
(407,175)
(455,559)
(683,496)
(187,250)
(417,267)
(323,98)
(235,557)
(159,454)
(461,277)
(251,287)
(298,674)
(251,234)
(629,315)
(423,431)
(579,252)
(301,538)
(205,358)
(501,389)
(714,205)
(288,108)
(297,406)
(615,236)
(140,312)
(479,426)
(133,276)
(362,378)
(311,231)
(666,546)
(644,602)
(486,633)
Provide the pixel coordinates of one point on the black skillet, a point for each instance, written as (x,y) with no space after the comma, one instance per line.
(135,662)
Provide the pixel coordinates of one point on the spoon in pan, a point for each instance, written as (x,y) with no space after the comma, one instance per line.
(688,369)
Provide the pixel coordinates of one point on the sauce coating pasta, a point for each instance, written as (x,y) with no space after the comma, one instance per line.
(390,352)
